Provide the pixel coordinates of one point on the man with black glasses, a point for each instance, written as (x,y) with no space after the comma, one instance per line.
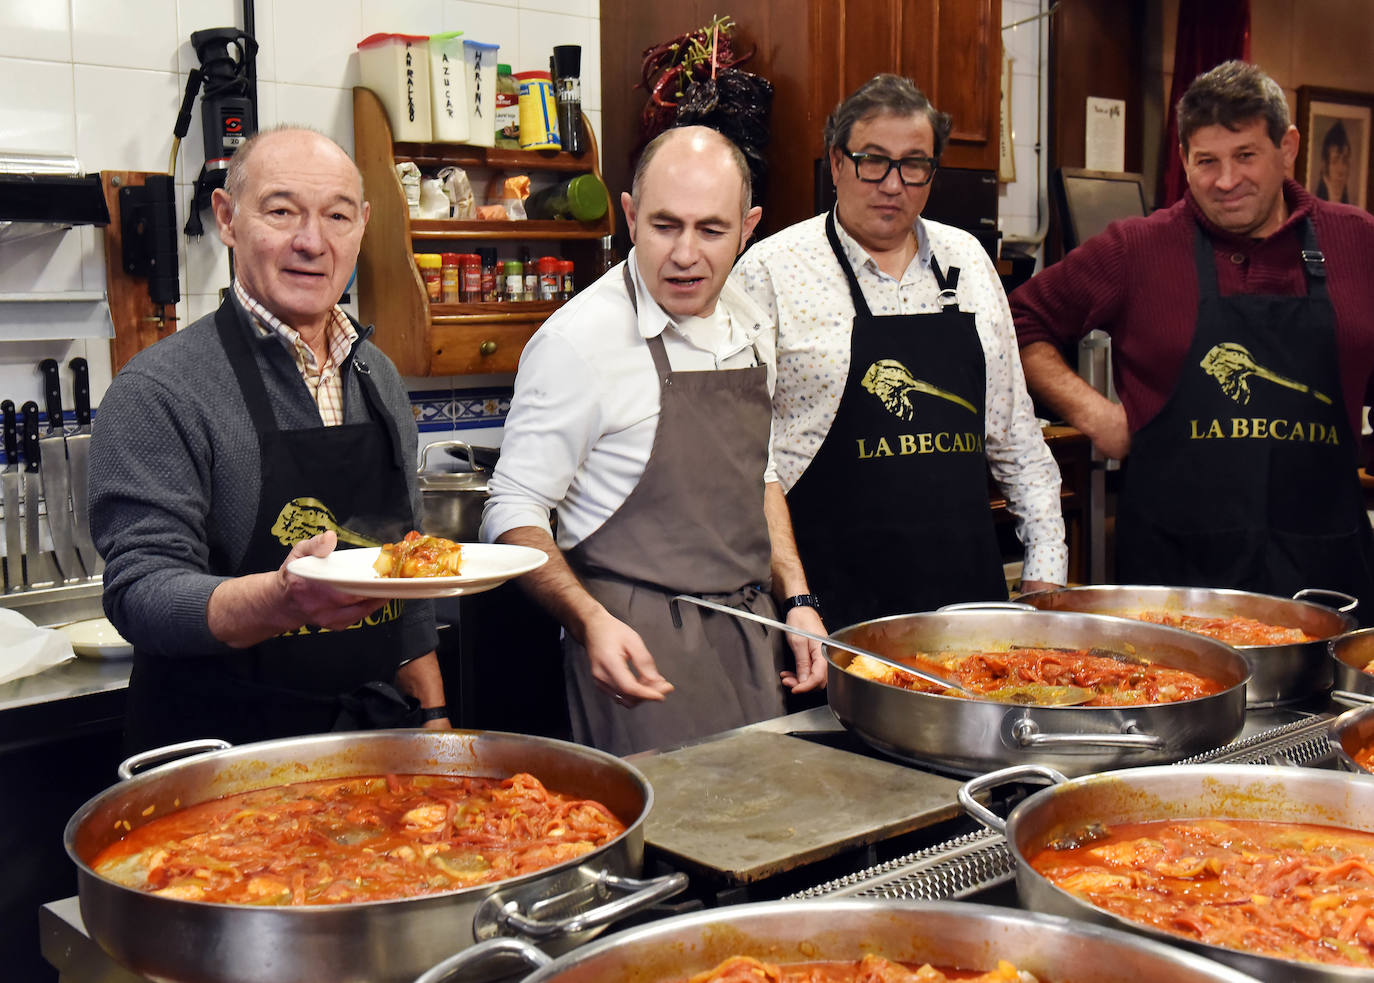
(899,382)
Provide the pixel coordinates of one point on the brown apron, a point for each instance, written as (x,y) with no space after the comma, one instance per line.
(693,524)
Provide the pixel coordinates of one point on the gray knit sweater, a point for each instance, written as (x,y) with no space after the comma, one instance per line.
(175,477)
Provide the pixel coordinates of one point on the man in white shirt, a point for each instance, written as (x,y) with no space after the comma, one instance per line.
(642,414)
(899,382)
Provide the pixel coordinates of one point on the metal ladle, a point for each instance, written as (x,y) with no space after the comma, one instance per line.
(1037,694)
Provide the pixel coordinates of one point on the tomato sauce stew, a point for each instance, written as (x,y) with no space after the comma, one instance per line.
(359,839)
(870,969)
(1290,890)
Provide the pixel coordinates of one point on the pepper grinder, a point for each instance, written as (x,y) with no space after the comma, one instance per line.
(567,73)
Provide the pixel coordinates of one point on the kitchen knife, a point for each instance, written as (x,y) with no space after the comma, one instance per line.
(10,479)
(57,479)
(78,456)
(38,565)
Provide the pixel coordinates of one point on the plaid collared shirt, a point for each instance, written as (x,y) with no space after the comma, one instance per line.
(323,380)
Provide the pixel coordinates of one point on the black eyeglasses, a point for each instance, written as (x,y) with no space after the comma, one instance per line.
(914,172)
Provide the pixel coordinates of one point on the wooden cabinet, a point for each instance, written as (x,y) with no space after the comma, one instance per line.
(815,52)
(425,338)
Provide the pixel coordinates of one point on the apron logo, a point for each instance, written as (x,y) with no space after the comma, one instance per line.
(1232,366)
(1260,428)
(893,384)
(301,518)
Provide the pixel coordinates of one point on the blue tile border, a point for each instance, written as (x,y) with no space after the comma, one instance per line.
(442,410)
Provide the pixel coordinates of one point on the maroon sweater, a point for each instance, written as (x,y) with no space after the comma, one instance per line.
(1137,282)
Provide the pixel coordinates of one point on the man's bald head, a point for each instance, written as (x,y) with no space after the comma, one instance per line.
(698,137)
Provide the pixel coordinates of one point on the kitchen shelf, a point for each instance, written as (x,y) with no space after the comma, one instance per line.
(425,338)
(441,229)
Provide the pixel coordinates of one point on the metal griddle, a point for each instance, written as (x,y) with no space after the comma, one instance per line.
(754,804)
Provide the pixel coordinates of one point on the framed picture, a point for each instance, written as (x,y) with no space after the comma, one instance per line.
(1333,156)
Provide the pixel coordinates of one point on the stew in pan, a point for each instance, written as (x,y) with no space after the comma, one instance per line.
(870,969)
(1234,630)
(1113,680)
(1290,890)
(357,839)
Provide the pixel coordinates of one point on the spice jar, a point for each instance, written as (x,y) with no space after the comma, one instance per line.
(550,280)
(515,281)
(431,266)
(470,284)
(565,267)
(507,109)
(490,291)
(449,278)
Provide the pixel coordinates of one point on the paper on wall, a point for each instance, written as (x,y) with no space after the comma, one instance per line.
(1105,144)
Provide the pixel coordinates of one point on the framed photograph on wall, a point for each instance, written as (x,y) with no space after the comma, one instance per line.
(1333,156)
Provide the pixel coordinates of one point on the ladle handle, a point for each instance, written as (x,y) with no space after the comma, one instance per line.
(827,640)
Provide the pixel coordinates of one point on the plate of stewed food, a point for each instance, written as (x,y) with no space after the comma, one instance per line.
(420,566)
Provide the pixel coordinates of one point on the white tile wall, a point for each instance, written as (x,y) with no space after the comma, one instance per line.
(103,81)
(1021,203)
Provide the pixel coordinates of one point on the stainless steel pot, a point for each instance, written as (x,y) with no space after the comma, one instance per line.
(1351,733)
(1278,673)
(971,737)
(945,933)
(1349,654)
(380,942)
(1276,794)
(453,500)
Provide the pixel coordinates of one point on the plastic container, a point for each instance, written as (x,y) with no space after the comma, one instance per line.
(448,81)
(538,112)
(396,67)
(507,109)
(450,278)
(479,61)
(582,197)
(431,272)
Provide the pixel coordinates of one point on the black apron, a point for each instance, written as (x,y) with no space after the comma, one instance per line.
(349,478)
(891,516)
(1247,477)
(694,523)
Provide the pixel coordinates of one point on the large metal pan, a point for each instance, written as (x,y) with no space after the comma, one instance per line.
(197,942)
(971,737)
(1351,733)
(1349,654)
(1278,673)
(1301,795)
(942,933)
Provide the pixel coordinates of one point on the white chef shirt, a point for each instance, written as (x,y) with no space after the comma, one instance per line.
(585,410)
(795,277)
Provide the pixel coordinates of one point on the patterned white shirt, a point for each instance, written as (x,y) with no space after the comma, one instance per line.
(322,379)
(795,277)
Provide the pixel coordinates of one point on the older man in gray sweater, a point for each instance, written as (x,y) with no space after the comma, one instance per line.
(269,430)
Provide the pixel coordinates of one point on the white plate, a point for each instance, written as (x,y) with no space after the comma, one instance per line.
(484,566)
(97,639)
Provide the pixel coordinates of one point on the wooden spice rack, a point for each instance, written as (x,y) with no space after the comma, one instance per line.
(425,338)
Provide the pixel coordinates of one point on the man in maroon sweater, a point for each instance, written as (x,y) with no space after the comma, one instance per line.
(1242,325)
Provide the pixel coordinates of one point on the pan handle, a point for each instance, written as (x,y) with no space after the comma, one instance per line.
(1025,733)
(475,955)
(987,605)
(1016,773)
(1346,605)
(130,765)
(1348,698)
(495,916)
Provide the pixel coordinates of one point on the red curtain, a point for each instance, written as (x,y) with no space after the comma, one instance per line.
(1209,33)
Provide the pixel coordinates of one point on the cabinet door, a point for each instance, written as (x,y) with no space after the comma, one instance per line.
(952,49)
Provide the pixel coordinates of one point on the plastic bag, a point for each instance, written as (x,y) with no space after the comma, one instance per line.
(26,649)
(409,173)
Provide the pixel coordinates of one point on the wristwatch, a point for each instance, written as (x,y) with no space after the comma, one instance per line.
(433,713)
(801,601)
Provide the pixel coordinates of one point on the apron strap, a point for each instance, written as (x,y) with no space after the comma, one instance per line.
(1313,262)
(657,349)
(947,284)
(236,347)
(861,308)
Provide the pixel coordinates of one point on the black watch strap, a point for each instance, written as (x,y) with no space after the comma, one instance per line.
(433,713)
(801,601)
